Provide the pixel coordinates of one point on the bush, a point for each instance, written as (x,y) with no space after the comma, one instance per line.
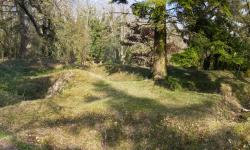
(173,83)
(189,58)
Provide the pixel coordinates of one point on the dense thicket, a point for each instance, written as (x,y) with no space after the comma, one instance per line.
(43,29)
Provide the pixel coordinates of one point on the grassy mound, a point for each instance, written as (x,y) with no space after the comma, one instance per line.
(117,107)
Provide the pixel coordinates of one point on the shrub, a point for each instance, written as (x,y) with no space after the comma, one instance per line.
(173,83)
(189,58)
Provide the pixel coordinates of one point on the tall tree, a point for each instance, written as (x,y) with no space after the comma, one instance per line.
(24,29)
(160,39)
(155,11)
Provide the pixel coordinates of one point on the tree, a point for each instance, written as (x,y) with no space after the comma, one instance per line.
(71,45)
(21,14)
(24,35)
(9,31)
(155,11)
(159,17)
(40,10)
(213,30)
(61,35)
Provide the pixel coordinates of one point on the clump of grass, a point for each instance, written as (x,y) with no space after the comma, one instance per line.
(173,83)
(3,134)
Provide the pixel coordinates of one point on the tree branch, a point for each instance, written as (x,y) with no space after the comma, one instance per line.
(36,25)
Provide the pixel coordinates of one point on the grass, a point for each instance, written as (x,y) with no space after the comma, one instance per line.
(3,135)
(117,107)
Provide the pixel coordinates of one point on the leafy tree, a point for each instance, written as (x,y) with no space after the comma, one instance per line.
(210,27)
(105,38)
(72,42)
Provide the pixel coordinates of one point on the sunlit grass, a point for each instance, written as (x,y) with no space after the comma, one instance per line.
(99,110)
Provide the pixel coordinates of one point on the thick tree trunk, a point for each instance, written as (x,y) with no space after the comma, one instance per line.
(23,34)
(160,61)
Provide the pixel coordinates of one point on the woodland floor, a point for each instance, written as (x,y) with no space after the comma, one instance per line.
(119,107)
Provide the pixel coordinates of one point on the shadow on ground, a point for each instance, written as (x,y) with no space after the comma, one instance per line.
(143,122)
(17,85)
(207,82)
(193,80)
(148,124)
(140,71)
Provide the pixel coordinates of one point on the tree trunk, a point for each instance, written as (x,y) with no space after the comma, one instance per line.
(216,62)
(160,61)
(207,62)
(2,56)
(23,34)
(122,35)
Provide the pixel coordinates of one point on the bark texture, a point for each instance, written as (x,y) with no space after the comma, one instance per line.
(160,57)
(24,31)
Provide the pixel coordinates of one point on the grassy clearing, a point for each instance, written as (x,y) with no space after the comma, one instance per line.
(119,108)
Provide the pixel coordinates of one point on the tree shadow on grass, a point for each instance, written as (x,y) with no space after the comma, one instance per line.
(123,101)
(27,89)
(140,71)
(200,81)
(191,80)
(188,79)
(145,123)
(16,84)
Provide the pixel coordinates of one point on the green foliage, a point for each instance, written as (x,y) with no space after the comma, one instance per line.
(188,58)
(105,39)
(72,43)
(173,83)
(221,50)
(200,41)
(227,54)
(214,34)
(9,37)
(3,134)
(97,32)
(142,10)
(217,30)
